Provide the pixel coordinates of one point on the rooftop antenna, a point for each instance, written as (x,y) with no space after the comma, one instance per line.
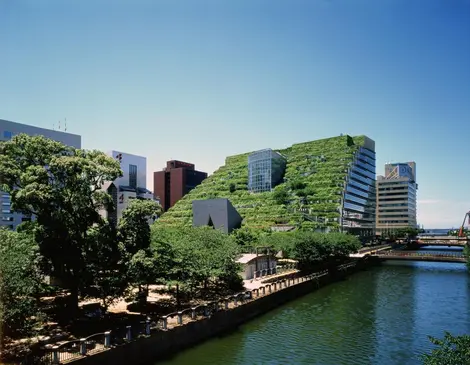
(65,129)
(59,125)
(53,126)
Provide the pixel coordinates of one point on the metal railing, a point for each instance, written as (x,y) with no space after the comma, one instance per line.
(76,349)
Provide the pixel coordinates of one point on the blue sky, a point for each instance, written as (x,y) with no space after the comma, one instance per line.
(200,80)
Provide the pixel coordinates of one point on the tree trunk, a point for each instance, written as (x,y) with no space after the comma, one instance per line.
(178,301)
(72,303)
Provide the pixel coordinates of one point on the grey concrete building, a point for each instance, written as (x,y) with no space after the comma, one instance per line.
(9,129)
(396,197)
(217,213)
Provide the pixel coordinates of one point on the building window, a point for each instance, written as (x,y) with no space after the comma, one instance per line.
(133,176)
(7,134)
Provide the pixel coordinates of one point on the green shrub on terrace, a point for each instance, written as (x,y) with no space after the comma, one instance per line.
(314,178)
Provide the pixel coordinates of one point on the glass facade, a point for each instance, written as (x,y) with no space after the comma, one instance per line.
(265,170)
(359,198)
(133,176)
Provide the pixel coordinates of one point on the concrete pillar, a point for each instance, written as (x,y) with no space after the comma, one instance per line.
(180,317)
(226,304)
(235,301)
(263,289)
(250,294)
(165,323)
(107,339)
(257,292)
(285,283)
(193,313)
(275,286)
(206,311)
(55,355)
(269,288)
(82,346)
(147,327)
(129,333)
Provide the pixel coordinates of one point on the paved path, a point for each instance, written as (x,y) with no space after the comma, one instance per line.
(255,284)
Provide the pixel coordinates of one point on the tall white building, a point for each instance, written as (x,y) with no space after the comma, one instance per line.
(8,129)
(132,185)
(396,197)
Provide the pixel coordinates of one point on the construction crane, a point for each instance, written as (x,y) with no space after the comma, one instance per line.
(461,231)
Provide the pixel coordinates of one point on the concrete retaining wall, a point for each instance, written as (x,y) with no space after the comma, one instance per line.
(162,344)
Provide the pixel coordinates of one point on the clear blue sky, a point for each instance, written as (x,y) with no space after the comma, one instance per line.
(200,80)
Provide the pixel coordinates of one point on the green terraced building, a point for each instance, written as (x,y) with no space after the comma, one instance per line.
(326,185)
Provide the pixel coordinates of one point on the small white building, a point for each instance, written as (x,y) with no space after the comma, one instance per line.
(257,265)
(131,185)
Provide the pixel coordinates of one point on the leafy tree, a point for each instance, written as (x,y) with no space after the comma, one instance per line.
(451,350)
(61,187)
(312,248)
(104,278)
(20,284)
(134,228)
(134,236)
(246,237)
(199,257)
(280,241)
(281,195)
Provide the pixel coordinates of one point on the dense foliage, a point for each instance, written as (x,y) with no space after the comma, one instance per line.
(310,195)
(451,350)
(60,186)
(199,257)
(312,248)
(20,283)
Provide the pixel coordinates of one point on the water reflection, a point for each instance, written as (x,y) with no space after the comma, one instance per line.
(380,316)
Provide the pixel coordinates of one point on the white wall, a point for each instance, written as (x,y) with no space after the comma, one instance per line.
(129,159)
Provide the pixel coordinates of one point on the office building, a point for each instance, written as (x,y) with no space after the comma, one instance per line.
(8,129)
(175,181)
(396,197)
(131,185)
(322,185)
(359,205)
(265,170)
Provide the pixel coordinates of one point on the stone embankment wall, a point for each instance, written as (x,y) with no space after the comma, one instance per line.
(162,344)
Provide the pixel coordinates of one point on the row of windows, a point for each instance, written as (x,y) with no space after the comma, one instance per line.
(398,215)
(365,166)
(362,179)
(357,191)
(366,159)
(356,184)
(367,152)
(360,170)
(392,222)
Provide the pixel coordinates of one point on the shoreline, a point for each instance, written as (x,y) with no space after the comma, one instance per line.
(155,340)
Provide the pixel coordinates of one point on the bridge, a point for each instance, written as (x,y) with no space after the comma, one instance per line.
(440,241)
(418,256)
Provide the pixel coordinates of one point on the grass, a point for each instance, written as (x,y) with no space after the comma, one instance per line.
(313,183)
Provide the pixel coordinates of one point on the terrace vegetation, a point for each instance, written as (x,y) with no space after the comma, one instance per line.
(309,197)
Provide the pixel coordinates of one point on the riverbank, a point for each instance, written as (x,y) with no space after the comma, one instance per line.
(156,340)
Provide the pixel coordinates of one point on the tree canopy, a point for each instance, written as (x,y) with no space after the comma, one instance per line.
(20,283)
(61,187)
(451,350)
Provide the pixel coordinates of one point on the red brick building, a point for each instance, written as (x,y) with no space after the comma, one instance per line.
(175,181)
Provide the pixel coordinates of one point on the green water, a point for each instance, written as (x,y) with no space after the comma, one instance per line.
(380,316)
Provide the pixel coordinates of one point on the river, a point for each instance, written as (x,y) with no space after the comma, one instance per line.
(379,316)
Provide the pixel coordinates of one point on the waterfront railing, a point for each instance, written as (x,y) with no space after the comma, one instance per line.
(76,349)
